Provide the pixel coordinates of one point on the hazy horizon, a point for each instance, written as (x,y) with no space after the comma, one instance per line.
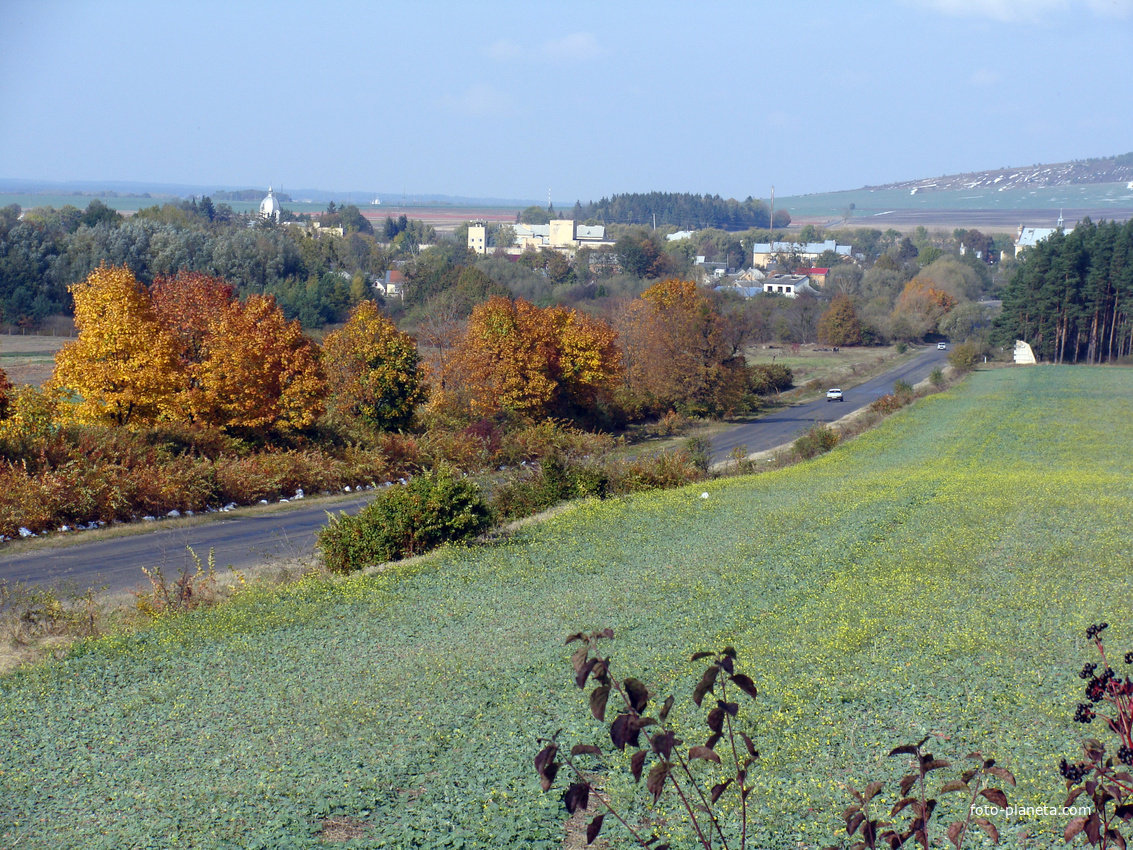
(510,101)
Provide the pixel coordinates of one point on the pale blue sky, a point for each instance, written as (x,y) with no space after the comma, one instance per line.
(510,99)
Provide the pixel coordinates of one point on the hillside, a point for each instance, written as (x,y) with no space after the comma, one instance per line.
(1114,169)
(935,576)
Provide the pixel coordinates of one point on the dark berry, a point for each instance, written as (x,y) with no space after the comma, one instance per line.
(1088,670)
(1129,658)
(1125,755)
(1084,714)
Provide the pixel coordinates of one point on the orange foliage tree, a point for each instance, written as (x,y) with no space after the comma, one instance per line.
(258,371)
(372,369)
(678,354)
(839,325)
(536,362)
(122,369)
(187,305)
(919,309)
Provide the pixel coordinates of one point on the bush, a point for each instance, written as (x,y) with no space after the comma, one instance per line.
(434,508)
(770,378)
(700,452)
(818,440)
(902,347)
(558,479)
(964,357)
(937,377)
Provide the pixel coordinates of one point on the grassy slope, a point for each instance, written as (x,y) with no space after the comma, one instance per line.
(933,576)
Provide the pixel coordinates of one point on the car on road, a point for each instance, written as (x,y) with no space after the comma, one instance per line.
(943,346)
(834,394)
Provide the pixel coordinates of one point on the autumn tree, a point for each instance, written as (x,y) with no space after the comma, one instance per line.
(536,362)
(372,370)
(839,325)
(187,305)
(6,389)
(919,308)
(678,353)
(258,372)
(122,369)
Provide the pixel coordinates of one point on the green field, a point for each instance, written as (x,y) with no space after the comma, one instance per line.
(933,576)
(871,204)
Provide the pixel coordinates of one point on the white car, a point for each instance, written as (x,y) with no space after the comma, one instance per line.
(943,346)
(834,395)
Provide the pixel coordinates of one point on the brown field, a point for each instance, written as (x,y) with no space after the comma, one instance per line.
(29,359)
(443,218)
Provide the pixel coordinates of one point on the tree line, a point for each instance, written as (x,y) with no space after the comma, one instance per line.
(1072,296)
(313,279)
(682,210)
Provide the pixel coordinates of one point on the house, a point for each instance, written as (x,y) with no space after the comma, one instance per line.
(789,285)
(764,253)
(817,276)
(391,285)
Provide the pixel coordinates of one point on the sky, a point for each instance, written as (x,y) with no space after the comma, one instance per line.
(582,99)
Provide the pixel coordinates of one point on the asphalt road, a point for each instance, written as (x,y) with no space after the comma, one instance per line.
(250,538)
(784,426)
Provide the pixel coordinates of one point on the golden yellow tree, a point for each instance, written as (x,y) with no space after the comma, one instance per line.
(372,369)
(536,362)
(258,372)
(122,368)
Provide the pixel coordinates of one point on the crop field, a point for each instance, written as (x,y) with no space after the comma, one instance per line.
(932,577)
(29,359)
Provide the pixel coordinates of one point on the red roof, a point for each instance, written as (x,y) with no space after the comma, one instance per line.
(818,271)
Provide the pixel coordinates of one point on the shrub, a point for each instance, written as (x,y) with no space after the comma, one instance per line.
(889,403)
(964,357)
(434,508)
(902,347)
(765,379)
(557,479)
(937,377)
(818,440)
(700,452)
(653,472)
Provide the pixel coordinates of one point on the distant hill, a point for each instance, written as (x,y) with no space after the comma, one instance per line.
(1081,172)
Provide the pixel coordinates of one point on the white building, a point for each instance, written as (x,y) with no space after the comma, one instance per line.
(270,207)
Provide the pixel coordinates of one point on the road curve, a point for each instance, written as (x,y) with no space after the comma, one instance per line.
(252,537)
(783,426)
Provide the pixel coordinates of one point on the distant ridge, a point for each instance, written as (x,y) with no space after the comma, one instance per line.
(1079,172)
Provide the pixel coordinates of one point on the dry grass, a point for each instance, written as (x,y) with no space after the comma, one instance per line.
(338,829)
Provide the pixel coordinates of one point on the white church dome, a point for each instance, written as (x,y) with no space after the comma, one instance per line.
(269,206)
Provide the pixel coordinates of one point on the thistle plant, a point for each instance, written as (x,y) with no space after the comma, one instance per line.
(1104,778)
(671,768)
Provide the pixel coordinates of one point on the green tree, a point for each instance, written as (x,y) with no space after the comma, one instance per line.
(372,370)
(533,215)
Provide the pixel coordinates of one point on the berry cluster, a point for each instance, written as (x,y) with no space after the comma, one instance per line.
(1129,658)
(1073,773)
(1125,755)
(1088,670)
(1093,631)
(1084,714)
